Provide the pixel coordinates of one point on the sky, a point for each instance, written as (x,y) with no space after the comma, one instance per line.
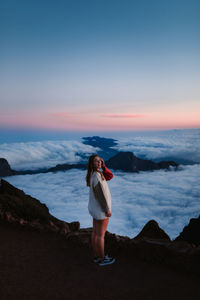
(100,65)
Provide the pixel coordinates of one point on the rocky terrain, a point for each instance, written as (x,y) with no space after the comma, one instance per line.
(191,232)
(19,208)
(42,257)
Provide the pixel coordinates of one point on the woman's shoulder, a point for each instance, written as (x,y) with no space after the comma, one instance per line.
(95,177)
(95,174)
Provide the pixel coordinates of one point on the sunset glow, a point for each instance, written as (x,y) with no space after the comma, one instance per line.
(100,66)
(97,122)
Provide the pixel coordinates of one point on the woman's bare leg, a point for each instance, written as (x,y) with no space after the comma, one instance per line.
(94,239)
(101,226)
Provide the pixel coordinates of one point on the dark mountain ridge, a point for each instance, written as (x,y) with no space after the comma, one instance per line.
(124,161)
(128,162)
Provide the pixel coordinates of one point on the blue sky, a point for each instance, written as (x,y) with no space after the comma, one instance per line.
(108,65)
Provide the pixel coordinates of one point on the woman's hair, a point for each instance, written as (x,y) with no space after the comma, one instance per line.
(91,169)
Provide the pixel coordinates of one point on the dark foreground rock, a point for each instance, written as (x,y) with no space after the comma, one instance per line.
(17,207)
(46,265)
(42,257)
(191,232)
(178,255)
(153,231)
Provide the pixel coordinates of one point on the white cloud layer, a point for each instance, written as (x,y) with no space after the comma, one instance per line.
(45,154)
(179,144)
(175,144)
(169,197)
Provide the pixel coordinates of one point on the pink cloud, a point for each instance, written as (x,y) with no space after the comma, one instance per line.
(61,115)
(122,116)
(97,121)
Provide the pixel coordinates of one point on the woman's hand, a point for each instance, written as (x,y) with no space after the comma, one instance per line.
(109,214)
(102,163)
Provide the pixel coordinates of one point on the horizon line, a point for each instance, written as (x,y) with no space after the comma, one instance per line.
(96,130)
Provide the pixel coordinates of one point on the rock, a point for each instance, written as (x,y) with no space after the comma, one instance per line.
(5,169)
(152,231)
(17,207)
(64,167)
(128,162)
(74,226)
(167,165)
(82,237)
(191,232)
(181,246)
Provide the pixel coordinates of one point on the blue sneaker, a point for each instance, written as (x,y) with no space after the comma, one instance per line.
(105,262)
(98,259)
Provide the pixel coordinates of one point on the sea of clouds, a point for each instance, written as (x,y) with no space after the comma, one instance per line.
(45,154)
(177,144)
(169,197)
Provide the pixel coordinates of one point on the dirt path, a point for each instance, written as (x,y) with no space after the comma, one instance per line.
(37,265)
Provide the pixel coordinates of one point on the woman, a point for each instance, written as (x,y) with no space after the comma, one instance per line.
(99,206)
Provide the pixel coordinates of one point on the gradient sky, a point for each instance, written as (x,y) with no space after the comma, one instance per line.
(100,65)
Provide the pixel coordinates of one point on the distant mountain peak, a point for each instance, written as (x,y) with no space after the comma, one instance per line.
(127,161)
(5,169)
(105,145)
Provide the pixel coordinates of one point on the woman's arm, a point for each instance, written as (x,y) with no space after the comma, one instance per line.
(100,196)
(107,173)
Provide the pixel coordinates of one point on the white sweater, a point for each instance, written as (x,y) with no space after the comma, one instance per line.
(99,197)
